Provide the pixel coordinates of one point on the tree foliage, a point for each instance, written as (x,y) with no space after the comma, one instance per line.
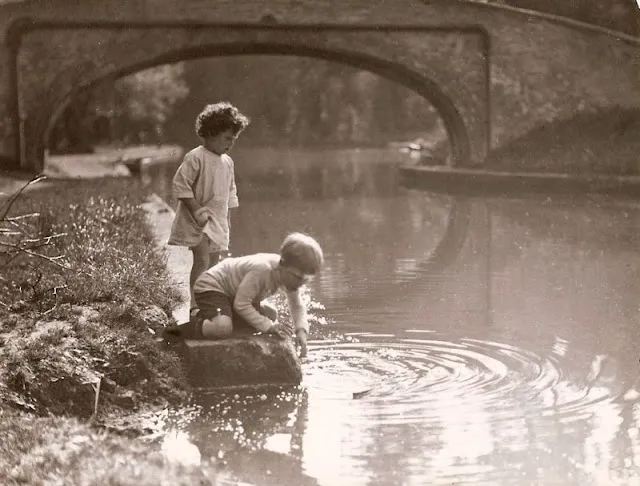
(132,109)
(148,96)
(303,101)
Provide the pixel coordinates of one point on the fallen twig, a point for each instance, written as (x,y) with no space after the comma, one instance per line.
(96,388)
(55,294)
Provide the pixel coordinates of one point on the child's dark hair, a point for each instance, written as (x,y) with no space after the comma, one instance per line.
(220,117)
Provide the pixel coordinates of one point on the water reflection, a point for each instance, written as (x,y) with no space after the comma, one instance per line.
(469,340)
(436,411)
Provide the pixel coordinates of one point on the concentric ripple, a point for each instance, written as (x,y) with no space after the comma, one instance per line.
(402,380)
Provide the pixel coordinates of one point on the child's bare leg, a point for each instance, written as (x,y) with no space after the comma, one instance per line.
(201,263)
(218,327)
(215,312)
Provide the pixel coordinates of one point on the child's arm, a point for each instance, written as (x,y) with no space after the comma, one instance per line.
(182,187)
(298,311)
(233,193)
(200,213)
(248,292)
(299,317)
(229,217)
(233,190)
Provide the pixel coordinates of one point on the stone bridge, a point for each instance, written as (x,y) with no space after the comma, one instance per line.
(493,73)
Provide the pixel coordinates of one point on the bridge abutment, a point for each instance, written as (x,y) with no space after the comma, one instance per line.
(9,112)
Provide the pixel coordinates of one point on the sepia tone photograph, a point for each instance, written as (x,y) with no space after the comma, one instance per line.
(320,242)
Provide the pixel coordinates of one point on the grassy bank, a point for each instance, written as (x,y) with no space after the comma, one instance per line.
(66,451)
(82,290)
(596,143)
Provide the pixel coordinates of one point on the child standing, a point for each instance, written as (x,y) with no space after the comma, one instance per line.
(205,188)
(230,294)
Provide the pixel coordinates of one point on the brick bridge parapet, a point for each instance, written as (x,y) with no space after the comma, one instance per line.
(493,74)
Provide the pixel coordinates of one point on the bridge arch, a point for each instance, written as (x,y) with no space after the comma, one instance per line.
(422,85)
(507,71)
(102,50)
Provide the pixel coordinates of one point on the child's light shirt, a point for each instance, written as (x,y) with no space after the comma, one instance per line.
(209,179)
(251,279)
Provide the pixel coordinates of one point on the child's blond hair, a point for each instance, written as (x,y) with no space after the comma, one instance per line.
(302,252)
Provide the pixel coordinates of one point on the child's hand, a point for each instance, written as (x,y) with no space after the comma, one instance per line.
(202,216)
(279,330)
(301,341)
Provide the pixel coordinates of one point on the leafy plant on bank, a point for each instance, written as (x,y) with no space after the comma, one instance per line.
(94,246)
(73,331)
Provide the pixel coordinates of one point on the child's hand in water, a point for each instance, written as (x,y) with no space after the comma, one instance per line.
(279,330)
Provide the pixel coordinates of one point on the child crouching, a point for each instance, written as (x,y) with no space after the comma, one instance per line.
(230,294)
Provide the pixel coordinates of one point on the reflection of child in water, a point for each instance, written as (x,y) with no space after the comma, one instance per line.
(205,187)
(230,294)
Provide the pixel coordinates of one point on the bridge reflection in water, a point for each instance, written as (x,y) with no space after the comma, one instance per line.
(462,340)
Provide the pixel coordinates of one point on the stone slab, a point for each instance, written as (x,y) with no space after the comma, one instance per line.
(251,360)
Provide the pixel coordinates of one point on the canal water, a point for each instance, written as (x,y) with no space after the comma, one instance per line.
(455,340)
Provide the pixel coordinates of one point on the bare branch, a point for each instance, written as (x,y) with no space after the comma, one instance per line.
(41,242)
(55,294)
(6,206)
(45,239)
(31,286)
(39,279)
(24,216)
(39,255)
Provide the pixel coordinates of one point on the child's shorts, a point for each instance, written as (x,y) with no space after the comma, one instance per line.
(209,303)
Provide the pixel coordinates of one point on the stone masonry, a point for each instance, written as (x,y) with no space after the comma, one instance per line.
(493,73)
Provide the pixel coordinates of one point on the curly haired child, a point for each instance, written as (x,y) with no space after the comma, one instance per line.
(205,188)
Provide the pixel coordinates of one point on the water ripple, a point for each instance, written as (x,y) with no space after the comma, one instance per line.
(415,379)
